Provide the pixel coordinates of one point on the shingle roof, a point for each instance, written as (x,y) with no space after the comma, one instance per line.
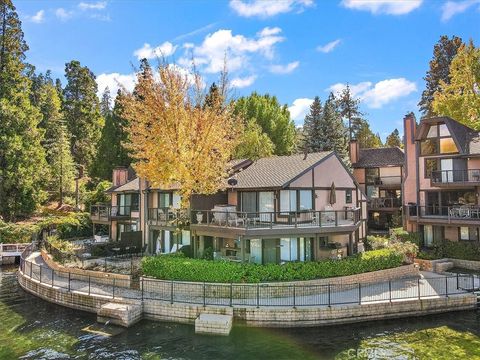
(370,158)
(132,185)
(276,171)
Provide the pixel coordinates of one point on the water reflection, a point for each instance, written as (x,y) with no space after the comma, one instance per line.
(33,329)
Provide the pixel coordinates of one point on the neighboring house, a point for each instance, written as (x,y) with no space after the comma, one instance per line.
(284,208)
(276,209)
(442,180)
(380,172)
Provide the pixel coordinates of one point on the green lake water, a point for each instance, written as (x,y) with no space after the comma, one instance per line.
(34,329)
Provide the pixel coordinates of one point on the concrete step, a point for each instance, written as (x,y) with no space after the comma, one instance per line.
(214,324)
(119,314)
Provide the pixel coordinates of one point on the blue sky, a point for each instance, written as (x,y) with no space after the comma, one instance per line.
(294,49)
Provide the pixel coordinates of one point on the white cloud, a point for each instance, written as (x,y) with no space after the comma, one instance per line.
(63,14)
(38,18)
(237,49)
(99,5)
(390,7)
(299,109)
(268,8)
(114,81)
(379,94)
(243,82)
(452,8)
(162,50)
(329,46)
(284,69)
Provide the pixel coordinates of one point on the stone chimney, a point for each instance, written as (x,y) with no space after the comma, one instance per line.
(353,150)
(120,176)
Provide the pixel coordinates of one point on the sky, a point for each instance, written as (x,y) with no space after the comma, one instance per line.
(293,49)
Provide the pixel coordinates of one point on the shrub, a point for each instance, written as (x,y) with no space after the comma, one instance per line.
(400,234)
(399,241)
(178,267)
(376,242)
(458,250)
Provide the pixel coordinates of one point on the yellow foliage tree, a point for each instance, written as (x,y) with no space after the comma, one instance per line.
(175,136)
(460,99)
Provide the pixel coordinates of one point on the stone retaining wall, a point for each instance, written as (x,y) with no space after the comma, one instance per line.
(100,277)
(433,265)
(163,288)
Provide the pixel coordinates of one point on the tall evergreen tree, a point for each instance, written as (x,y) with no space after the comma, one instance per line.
(393,139)
(312,127)
(366,138)
(443,53)
(348,106)
(106,103)
(22,158)
(273,118)
(81,109)
(111,146)
(333,130)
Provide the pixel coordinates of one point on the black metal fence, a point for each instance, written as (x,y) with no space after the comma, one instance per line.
(256,295)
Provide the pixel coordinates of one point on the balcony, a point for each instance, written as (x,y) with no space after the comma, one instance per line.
(460,214)
(165,216)
(386,182)
(281,223)
(100,213)
(455,177)
(124,212)
(384,203)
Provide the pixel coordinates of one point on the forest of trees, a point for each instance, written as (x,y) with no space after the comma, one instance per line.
(53,134)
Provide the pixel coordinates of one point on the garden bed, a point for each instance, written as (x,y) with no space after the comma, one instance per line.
(178,267)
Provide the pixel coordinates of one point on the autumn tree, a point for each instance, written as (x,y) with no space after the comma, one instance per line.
(272,117)
(393,139)
(174,137)
(444,52)
(81,109)
(22,158)
(460,97)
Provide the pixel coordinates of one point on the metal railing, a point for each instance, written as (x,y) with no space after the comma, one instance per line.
(384,180)
(383,202)
(455,176)
(100,212)
(164,215)
(455,212)
(279,219)
(255,295)
(123,211)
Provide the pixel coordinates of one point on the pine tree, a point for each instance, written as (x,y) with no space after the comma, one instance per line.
(111,146)
(460,98)
(312,127)
(394,139)
(443,53)
(333,131)
(81,109)
(22,158)
(348,107)
(106,103)
(366,138)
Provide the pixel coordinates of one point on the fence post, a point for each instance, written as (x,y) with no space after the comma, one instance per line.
(69,278)
(258,295)
(171,292)
(418,286)
(329,303)
(231,294)
(113,290)
(141,285)
(31,270)
(105,267)
(473,283)
(204,295)
(89,285)
(446,286)
(457,281)
(40,274)
(53,277)
(294,294)
(336,218)
(390,290)
(359,293)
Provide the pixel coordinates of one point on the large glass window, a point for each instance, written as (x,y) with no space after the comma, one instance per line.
(371,175)
(289,249)
(249,201)
(428,147)
(305,200)
(265,201)
(428,235)
(348,196)
(432,132)
(256,251)
(447,146)
(430,166)
(288,200)
(164,200)
(443,130)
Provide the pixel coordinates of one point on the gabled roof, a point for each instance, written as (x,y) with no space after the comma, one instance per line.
(277,171)
(380,157)
(131,186)
(460,133)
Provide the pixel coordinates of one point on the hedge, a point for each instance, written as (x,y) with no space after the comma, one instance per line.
(67,226)
(178,267)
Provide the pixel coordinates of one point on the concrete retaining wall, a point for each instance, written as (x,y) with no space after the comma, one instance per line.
(121,280)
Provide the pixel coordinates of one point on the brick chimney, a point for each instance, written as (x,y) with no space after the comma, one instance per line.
(120,176)
(353,150)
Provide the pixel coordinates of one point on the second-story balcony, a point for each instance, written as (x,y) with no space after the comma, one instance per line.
(100,213)
(455,177)
(124,212)
(384,203)
(284,222)
(166,216)
(385,181)
(445,214)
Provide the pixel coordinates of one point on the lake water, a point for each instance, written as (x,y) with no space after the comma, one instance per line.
(34,329)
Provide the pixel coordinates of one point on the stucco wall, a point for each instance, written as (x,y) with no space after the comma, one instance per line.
(391,171)
(304,181)
(331,170)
